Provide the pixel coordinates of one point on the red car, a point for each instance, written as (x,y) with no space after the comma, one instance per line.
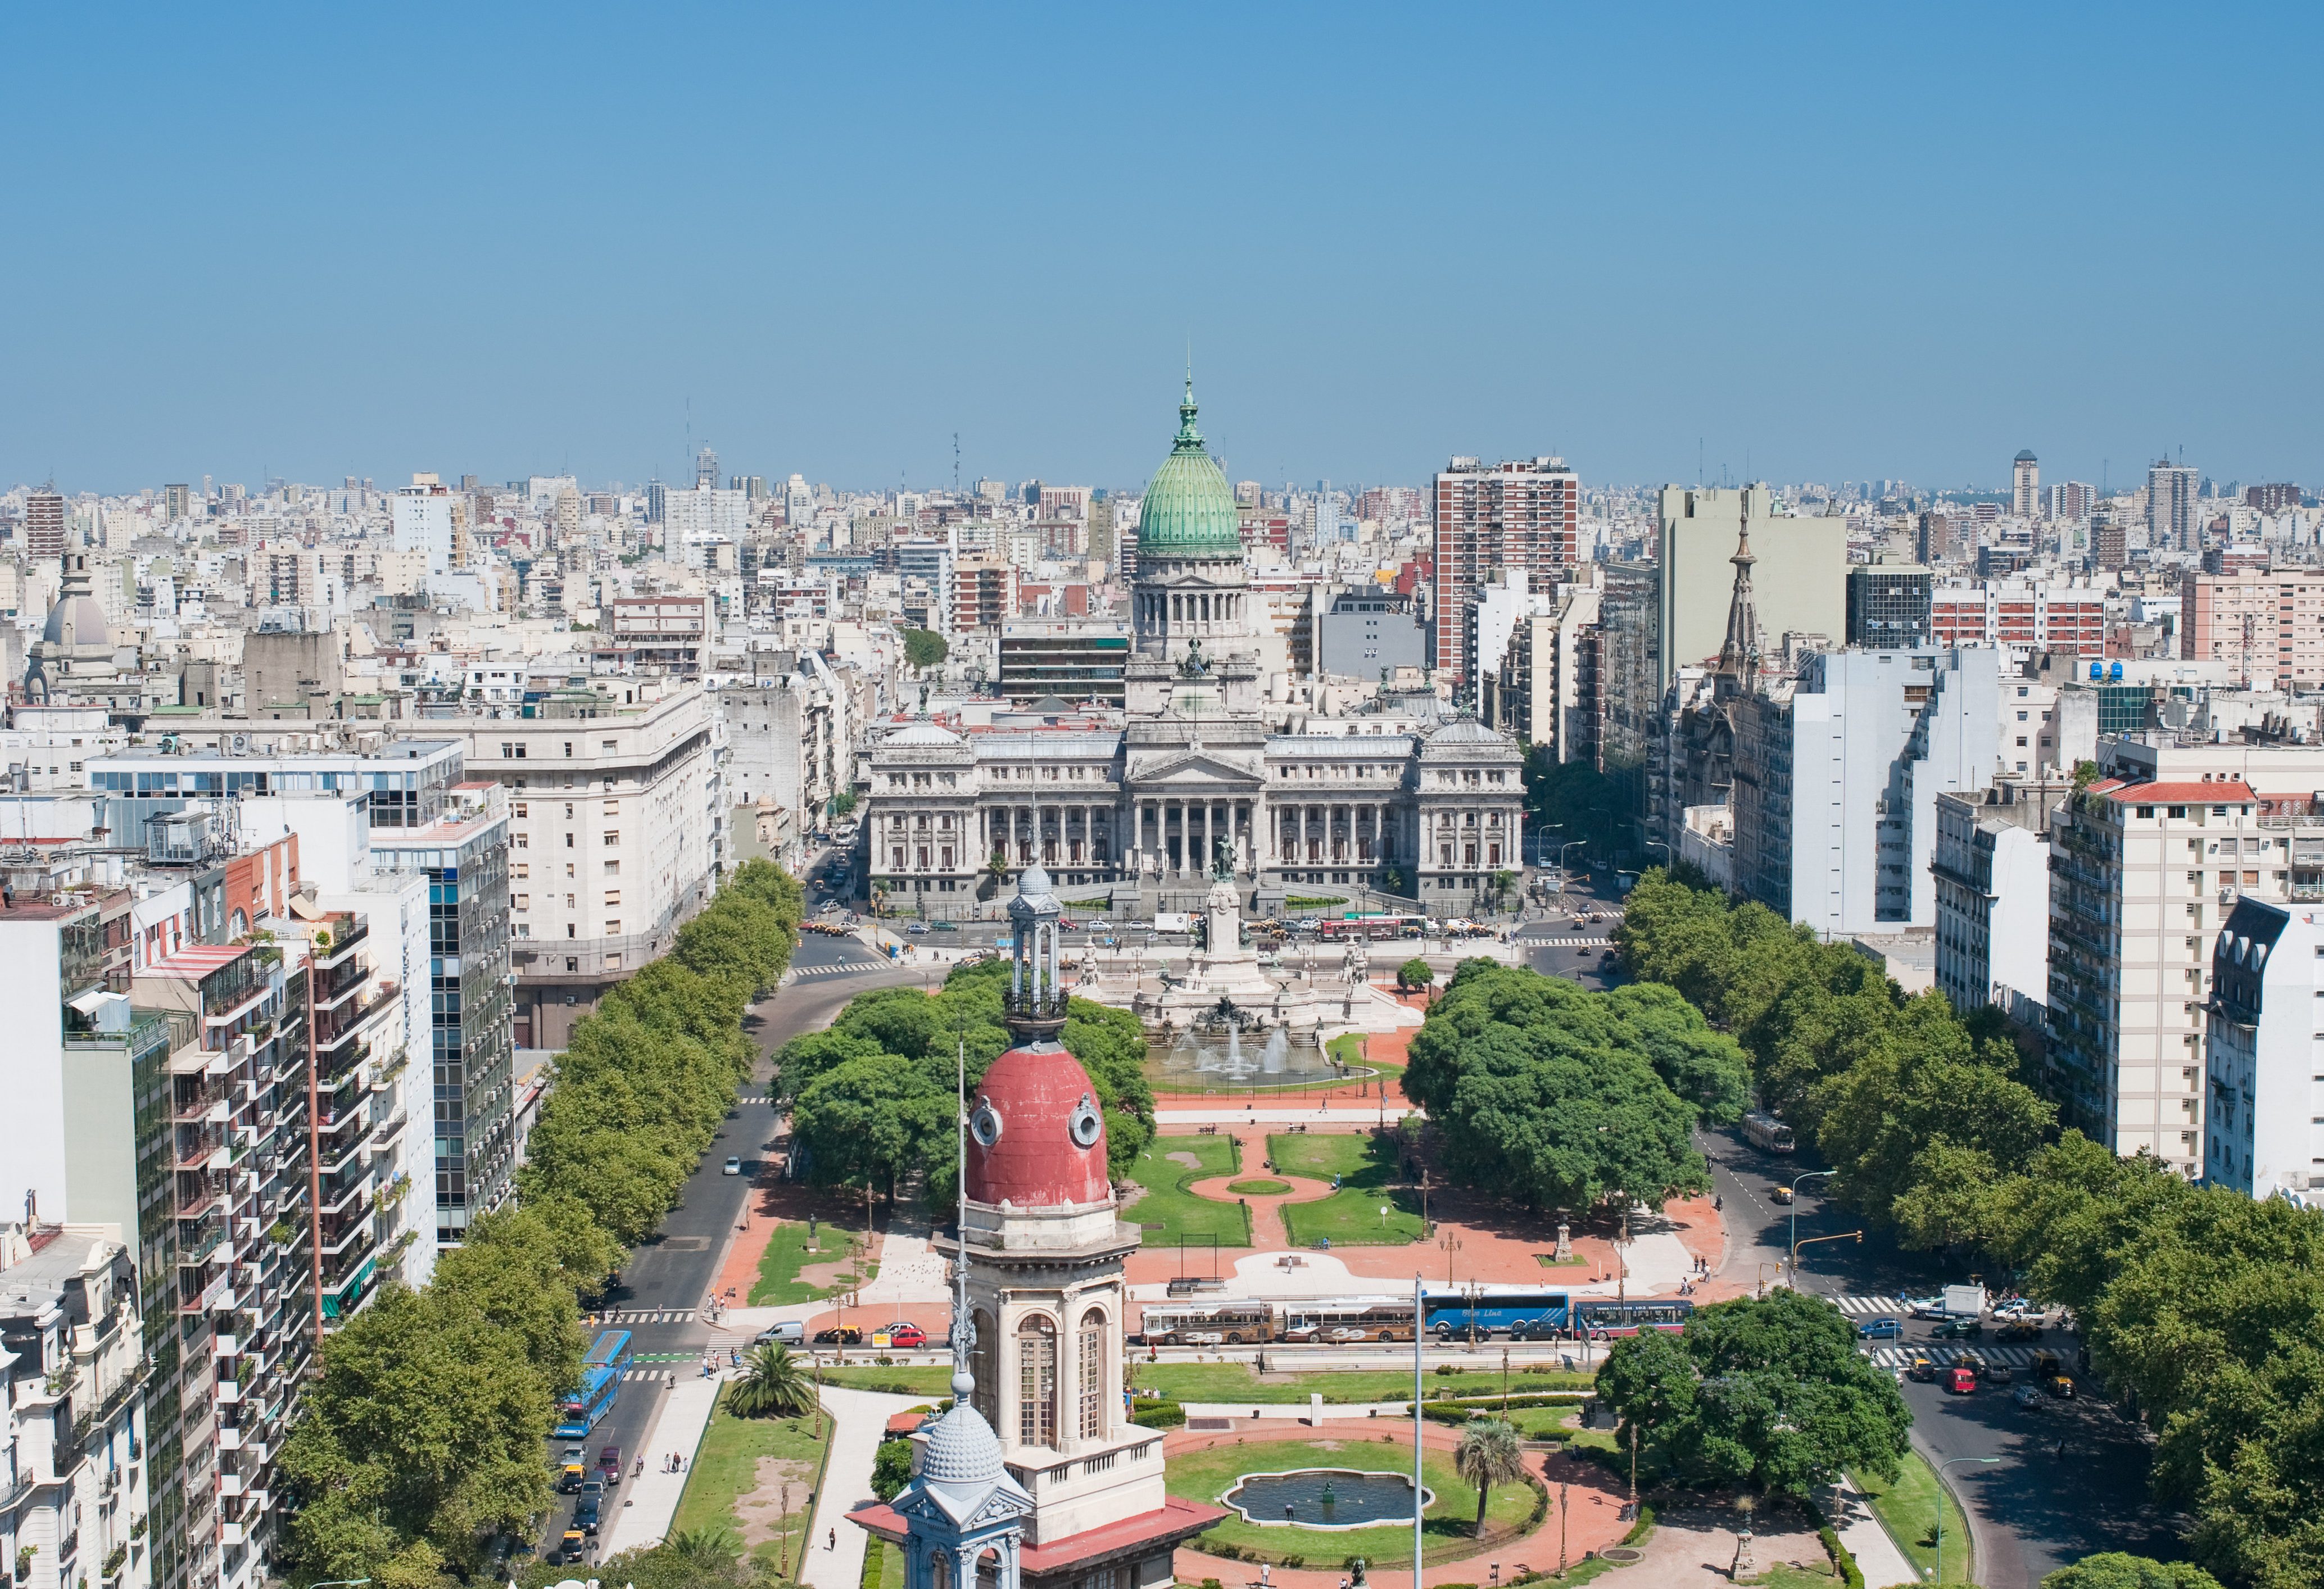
(904,1333)
(1961,1382)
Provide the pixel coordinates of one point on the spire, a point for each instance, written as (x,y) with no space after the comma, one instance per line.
(1738,656)
(1190,440)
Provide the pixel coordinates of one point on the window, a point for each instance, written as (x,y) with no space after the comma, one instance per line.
(613,927)
(1037,1382)
(612,808)
(568,841)
(523,809)
(521,841)
(612,896)
(568,811)
(524,901)
(1090,1369)
(569,746)
(612,868)
(613,836)
(520,871)
(606,746)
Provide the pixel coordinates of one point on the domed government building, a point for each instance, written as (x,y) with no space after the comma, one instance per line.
(1198,765)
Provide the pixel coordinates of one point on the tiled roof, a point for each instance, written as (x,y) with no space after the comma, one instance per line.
(2216,792)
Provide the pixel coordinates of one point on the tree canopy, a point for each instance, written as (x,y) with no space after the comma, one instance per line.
(1770,1393)
(1552,1094)
(924,649)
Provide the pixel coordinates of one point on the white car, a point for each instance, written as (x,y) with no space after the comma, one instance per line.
(732,1167)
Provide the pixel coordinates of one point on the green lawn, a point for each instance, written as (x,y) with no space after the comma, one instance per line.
(1168,1211)
(1231,1382)
(1260,1188)
(786,1253)
(1206,1476)
(1351,1216)
(725,1468)
(1909,1506)
(1781,1576)
(932,1379)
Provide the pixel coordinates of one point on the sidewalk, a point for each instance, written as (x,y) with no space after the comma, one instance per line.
(1852,1519)
(859,1421)
(649,1502)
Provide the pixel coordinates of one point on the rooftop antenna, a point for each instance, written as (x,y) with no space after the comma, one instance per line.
(955,463)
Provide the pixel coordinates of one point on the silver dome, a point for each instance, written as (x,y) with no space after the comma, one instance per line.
(961,1450)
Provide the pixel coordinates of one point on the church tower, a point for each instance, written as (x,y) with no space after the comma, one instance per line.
(1047,1304)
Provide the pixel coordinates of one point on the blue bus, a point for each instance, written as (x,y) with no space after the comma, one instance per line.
(1522,1313)
(601,1385)
(1604,1319)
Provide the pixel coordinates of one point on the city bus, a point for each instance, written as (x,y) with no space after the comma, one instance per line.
(1329,1320)
(1374,927)
(1603,1318)
(600,1386)
(1215,1322)
(1764,1131)
(1522,1313)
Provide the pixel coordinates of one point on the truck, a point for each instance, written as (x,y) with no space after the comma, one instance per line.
(1174,921)
(1964,1301)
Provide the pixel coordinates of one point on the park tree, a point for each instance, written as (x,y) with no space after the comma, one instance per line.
(773,1385)
(1704,1067)
(1416,973)
(1770,1393)
(2118,1569)
(870,1120)
(1489,1454)
(891,1468)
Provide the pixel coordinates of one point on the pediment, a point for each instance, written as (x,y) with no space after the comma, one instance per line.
(1193,770)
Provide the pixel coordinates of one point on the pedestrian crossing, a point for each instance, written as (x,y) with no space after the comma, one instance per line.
(650,1316)
(1944,1351)
(844,968)
(1871,1307)
(1571,942)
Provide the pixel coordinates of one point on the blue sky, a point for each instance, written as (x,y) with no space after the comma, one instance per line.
(1812,242)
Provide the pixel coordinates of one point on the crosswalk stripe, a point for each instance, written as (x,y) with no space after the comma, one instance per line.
(1943,1351)
(1568,942)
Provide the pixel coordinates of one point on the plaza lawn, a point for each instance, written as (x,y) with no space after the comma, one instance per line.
(1231,1382)
(1167,1210)
(786,1253)
(1261,1188)
(931,1380)
(1908,1507)
(724,1469)
(1206,1476)
(1351,1216)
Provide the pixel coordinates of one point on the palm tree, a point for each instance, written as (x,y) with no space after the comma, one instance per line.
(705,1550)
(1488,1454)
(773,1385)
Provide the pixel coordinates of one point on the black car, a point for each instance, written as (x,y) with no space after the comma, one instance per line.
(585,1512)
(845,1334)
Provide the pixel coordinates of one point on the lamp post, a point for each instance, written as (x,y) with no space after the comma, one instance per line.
(1941,1507)
(1810,1175)
(1658,844)
(1854,1236)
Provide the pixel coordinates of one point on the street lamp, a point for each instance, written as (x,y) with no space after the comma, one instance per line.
(1856,1235)
(1940,1505)
(1658,844)
(1810,1175)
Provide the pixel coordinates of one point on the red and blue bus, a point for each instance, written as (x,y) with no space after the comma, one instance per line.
(601,1385)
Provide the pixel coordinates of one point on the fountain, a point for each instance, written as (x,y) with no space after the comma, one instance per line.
(1325,1498)
(1225,992)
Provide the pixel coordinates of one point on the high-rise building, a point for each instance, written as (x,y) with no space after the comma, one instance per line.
(2266,625)
(2025,485)
(1836,783)
(177,502)
(1524,514)
(1800,580)
(44,524)
(1991,868)
(2264,1137)
(705,470)
(657,501)
(1888,605)
(425,519)
(2069,502)
(2272,498)
(2171,523)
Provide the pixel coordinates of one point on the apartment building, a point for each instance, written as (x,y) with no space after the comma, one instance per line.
(2265,625)
(1836,782)
(73,1439)
(616,812)
(787,738)
(2265,1136)
(2146,865)
(1991,872)
(2065,619)
(667,633)
(1524,514)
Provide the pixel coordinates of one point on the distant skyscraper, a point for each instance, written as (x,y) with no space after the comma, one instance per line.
(1524,515)
(705,470)
(2069,502)
(2025,500)
(177,502)
(2171,506)
(799,501)
(657,501)
(44,524)
(2272,498)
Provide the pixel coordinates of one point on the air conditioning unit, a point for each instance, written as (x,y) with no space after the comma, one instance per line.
(239,745)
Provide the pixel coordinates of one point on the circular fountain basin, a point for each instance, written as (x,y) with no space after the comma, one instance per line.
(1295,1500)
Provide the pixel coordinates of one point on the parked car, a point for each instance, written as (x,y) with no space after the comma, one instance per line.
(734,1166)
(1880,1329)
(609,1465)
(904,1333)
(570,1470)
(789,1333)
(591,1507)
(841,1334)
(1960,1381)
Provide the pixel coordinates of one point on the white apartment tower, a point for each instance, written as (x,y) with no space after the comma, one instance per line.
(2025,485)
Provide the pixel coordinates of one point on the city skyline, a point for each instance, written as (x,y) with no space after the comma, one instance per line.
(830,245)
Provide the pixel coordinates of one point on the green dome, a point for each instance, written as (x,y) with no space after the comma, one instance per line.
(1189,509)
